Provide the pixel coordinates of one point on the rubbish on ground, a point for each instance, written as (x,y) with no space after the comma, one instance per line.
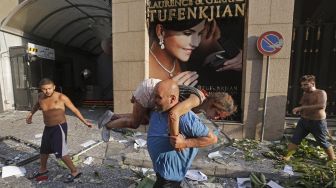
(141,142)
(244,183)
(137,134)
(289,170)
(13,171)
(88,143)
(215,154)
(147,182)
(196,175)
(277,141)
(38,135)
(28,151)
(123,141)
(272,184)
(88,160)
(147,171)
(247,146)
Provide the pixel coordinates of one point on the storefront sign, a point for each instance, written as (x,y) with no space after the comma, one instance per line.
(41,51)
(270,43)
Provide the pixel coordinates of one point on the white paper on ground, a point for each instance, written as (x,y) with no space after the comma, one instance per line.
(88,143)
(137,134)
(122,141)
(38,135)
(13,171)
(289,170)
(244,183)
(141,142)
(88,160)
(147,171)
(272,184)
(215,154)
(196,175)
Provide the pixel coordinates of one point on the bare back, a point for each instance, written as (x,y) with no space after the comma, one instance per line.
(316,98)
(53,109)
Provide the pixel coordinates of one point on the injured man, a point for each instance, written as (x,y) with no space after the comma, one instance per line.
(215,106)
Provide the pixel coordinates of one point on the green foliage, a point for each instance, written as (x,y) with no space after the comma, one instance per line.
(247,146)
(310,162)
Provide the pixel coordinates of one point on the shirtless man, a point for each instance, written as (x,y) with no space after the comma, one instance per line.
(313,118)
(54,137)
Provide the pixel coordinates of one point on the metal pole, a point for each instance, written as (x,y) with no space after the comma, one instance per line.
(265,100)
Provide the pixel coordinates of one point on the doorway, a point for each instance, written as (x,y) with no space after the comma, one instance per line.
(313,51)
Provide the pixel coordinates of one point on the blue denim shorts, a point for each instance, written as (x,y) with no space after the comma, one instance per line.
(318,128)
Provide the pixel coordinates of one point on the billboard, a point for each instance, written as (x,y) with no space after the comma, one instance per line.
(202,36)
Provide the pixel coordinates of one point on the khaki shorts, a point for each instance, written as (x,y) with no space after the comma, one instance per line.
(144,93)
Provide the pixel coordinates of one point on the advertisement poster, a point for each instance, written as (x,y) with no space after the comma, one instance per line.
(203,36)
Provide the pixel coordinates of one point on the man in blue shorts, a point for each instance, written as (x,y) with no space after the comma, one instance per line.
(54,136)
(171,165)
(313,118)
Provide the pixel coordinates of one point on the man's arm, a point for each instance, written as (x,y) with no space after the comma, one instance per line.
(180,109)
(180,142)
(321,103)
(32,112)
(68,104)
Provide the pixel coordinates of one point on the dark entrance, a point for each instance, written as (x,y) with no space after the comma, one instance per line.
(313,50)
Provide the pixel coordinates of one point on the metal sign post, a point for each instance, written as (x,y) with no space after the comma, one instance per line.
(268,43)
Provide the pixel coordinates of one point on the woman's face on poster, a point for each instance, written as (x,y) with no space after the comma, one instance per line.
(181,44)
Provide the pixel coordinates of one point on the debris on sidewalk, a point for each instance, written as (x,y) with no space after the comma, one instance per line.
(123,141)
(308,164)
(196,175)
(215,154)
(147,182)
(273,184)
(38,135)
(139,143)
(289,170)
(247,146)
(244,183)
(88,143)
(8,171)
(88,160)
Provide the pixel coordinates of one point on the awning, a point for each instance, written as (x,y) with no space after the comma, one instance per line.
(81,24)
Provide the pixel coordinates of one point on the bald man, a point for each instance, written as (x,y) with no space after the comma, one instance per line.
(170,165)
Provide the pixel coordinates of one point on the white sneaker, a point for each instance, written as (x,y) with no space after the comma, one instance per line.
(105,134)
(105,118)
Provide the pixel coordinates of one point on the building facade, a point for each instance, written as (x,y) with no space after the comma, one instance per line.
(80,32)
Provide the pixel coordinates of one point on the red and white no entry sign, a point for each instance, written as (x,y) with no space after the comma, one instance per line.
(270,43)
